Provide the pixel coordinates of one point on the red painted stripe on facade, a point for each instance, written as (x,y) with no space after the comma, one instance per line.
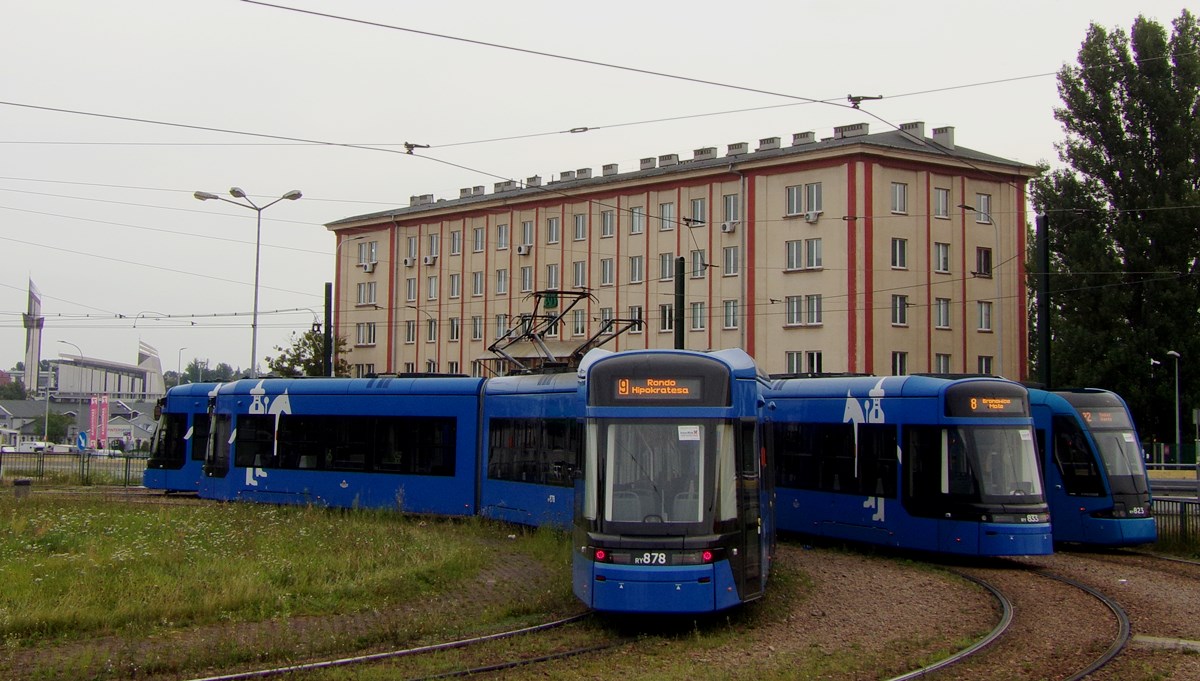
(393,249)
(852,266)
(962,213)
(1022,294)
(869,266)
(929,266)
(749,317)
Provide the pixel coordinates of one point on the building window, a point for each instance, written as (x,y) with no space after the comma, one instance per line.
(452,367)
(812,309)
(606,272)
(606,318)
(552,280)
(666,216)
(804,310)
(635,314)
(432,287)
(899,363)
(900,310)
(812,254)
(579,322)
(479,239)
(431,366)
(812,197)
(666,317)
(985,315)
(730,308)
(985,364)
(456,242)
(636,265)
(501,237)
(699,211)
(364,370)
(795,254)
(580,226)
(795,311)
(477,327)
(941,363)
(941,203)
(608,223)
(552,231)
(435,244)
(795,360)
(455,285)
(366,333)
(666,266)
(637,220)
(367,252)
(366,293)
(501,325)
(983,209)
(432,330)
(526,279)
(814,361)
(941,313)
(900,254)
(698,316)
(410,289)
(579,270)
(941,258)
(410,367)
(730,261)
(412,247)
(698,265)
(983,262)
(455,329)
(410,332)
(501,281)
(527,233)
(899,197)
(795,200)
(477,283)
(732,212)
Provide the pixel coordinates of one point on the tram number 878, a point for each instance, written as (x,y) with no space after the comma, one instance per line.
(651,558)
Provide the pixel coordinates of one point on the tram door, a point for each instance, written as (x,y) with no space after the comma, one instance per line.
(750,511)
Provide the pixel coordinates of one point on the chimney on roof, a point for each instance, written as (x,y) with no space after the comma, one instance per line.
(704,154)
(768,143)
(477,190)
(583,174)
(535,181)
(801,138)
(668,160)
(737,149)
(610,169)
(464,192)
(649,163)
(944,136)
(916,129)
(852,130)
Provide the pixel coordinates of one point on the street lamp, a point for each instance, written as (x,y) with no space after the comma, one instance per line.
(1178,436)
(77,349)
(179,368)
(237,193)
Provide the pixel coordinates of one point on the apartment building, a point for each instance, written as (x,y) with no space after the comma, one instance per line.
(885,253)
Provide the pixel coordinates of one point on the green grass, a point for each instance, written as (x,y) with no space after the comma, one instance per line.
(79,568)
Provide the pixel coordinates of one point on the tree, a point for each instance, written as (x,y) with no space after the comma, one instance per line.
(305,356)
(1124,228)
(59,423)
(14,390)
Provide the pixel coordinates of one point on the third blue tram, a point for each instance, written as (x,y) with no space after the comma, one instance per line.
(180,439)
(675,501)
(1093,467)
(914,462)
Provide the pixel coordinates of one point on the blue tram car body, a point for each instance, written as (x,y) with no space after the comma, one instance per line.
(675,502)
(391,442)
(1094,468)
(176,460)
(913,462)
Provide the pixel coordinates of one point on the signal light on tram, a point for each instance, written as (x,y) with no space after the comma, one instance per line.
(601,554)
(707,556)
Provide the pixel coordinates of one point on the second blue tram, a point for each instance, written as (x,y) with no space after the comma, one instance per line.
(913,462)
(180,439)
(1093,467)
(675,505)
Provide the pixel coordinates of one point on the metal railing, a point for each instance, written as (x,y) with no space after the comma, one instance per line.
(1178,520)
(75,468)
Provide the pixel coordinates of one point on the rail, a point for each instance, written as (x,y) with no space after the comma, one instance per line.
(75,468)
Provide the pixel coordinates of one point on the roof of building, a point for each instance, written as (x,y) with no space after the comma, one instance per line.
(910,138)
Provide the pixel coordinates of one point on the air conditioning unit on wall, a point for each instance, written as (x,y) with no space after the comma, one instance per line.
(524,249)
(368,267)
(429,260)
(409,262)
(729,227)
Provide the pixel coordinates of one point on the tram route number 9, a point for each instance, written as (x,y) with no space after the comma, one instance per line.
(651,558)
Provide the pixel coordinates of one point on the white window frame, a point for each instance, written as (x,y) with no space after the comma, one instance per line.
(502,237)
(941,203)
(666,216)
(729,316)
(699,316)
(608,224)
(899,310)
(553,234)
(941,313)
(636,269)
(900,198)
(637,220)
(899,253)
(581,226)
(985,315)
(731,261)
(607,272)
(941,257)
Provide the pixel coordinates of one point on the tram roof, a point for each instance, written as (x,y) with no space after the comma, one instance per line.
(862,386)
(381,385)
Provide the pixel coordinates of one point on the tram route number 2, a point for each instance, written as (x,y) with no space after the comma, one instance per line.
(651,558)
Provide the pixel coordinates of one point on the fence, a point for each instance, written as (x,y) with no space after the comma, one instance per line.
(75,468)
(1178,520)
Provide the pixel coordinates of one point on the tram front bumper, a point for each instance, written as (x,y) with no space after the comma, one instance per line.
(668,590)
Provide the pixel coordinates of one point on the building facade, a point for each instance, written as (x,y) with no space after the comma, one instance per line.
(885,253)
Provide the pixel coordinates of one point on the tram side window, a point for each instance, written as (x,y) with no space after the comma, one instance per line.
(403,445)
(1074,459)
(200,426)
(922,468)
(169,445)
(821,456)
(255,441)
(415,446)
(541,451)
(877,460)
(218,458)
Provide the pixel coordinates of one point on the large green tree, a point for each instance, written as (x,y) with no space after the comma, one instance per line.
(1124,222)
(304,357)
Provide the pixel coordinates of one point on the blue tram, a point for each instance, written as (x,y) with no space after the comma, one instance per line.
(1093,467)
(177,451)
(675,503)
(915,462)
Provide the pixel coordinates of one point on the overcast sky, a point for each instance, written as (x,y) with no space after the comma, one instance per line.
(98,210)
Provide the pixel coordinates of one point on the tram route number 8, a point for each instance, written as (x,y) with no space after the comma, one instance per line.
(651,558)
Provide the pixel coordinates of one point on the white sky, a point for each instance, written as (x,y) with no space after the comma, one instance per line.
(100,213)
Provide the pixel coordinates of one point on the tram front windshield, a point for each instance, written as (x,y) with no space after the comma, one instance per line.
(657,472)
(1122,459)
(993,464)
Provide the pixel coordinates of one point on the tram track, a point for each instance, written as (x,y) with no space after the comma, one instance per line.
(1045,631)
